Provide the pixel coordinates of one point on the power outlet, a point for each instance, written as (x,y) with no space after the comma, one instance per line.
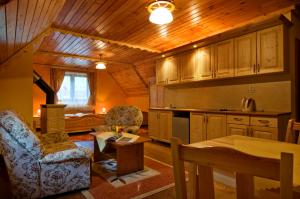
(251,89)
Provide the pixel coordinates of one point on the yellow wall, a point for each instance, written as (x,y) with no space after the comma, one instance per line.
(141,102)
(16,85)
(109,93)
(39,97)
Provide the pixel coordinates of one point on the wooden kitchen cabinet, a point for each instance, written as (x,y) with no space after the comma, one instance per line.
(188,67)
(161,72)
(197,127)
(173,70)
(203,62)
(156,94)
(167,71)
(160,125)
(206,126)
(270,50)
(215,126)
(237,129)
(223,65)
(153,123)
(264,132)
(245,55)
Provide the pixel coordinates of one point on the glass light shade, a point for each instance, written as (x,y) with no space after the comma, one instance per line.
(100,66)
(161,16)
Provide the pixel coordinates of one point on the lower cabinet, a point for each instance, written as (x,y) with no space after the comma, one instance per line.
(197,127)
(160,125)
(264,132)
(261,127)
(237,129)
(205,126)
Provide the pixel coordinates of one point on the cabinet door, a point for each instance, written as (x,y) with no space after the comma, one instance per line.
(264,132)
(160,96)
(153,125)
(197,127)
(215,126)
(245,55)
(161,71)
(203,62)
(173,70)
(165,125)
(224,64)
(236,129)
(152,95)
(188,70)
(270,50)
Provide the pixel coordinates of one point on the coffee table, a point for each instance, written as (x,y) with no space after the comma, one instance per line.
(129,156)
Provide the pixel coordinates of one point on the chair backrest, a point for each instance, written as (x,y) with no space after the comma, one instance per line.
(124,116)
(17,129)
(292,132)
(203,160)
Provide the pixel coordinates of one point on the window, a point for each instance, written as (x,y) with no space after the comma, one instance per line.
(74,89)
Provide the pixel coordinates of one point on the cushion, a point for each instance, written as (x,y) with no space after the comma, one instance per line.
(17,128)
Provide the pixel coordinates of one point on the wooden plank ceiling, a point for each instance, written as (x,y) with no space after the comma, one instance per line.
(22,20)
(88,28)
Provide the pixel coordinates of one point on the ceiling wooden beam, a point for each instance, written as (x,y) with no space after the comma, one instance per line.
(80,57)
(71,68)
(109,41)
(34,44)
(139,75)
(112,76)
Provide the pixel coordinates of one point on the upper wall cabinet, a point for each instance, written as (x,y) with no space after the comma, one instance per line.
(167,71)
(245,54)
(223,59)
(161,72)
(203,62)
(188,66)
(255,53)
(270,50)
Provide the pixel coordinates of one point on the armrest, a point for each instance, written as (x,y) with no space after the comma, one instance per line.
(51,138)
(66,155)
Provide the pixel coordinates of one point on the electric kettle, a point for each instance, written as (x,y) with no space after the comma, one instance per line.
(248,104)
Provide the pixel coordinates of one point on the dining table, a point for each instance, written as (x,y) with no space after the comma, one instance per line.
(261,148)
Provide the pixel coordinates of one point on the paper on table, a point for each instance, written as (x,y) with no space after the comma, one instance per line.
(102,137)
(127,137)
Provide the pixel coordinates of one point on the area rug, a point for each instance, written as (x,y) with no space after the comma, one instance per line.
(107,169)
(161,179)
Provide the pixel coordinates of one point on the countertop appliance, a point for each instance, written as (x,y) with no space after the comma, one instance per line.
(248,104)
(181,126)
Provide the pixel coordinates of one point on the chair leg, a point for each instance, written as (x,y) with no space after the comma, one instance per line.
(244,186)
(206,182)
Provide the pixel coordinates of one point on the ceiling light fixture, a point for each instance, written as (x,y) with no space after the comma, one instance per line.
(161,11)
(100,65)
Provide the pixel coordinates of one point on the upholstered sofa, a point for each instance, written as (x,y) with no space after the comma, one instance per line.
(129,117)
(44,165)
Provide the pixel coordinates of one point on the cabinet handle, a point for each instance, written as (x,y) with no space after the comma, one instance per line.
(258,67)
(238,119)
(264,121)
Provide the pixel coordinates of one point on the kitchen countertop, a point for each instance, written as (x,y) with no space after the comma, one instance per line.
(222,111)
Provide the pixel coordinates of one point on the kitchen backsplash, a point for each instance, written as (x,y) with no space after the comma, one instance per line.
(271,96)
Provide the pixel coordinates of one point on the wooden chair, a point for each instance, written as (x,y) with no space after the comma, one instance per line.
(203,160)
(292,132)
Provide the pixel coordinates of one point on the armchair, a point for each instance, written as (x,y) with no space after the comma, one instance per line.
(130,117)
(40,166)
